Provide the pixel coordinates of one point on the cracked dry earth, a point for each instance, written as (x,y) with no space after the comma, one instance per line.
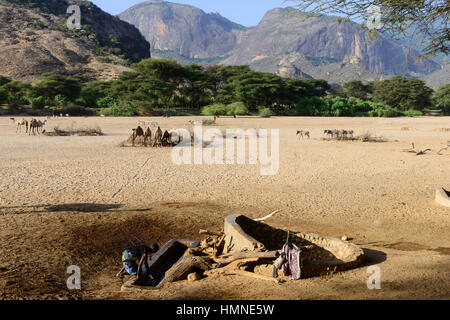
(83,200)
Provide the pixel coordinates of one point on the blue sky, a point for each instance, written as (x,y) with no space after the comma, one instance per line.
(245,12)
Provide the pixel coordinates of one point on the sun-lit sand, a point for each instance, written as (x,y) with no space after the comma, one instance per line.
(82,200)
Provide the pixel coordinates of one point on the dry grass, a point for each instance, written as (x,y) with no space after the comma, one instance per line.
(442,130)
(366,137)
(75,131)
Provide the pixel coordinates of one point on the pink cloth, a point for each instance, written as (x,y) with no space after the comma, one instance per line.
(290,261)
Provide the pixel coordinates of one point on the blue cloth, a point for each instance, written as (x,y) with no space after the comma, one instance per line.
(131,263)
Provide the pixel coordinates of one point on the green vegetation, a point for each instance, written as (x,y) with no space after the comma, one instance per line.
(403,93)
(120,109)
(442,98)
(265,113)
(161,86)
(38,103)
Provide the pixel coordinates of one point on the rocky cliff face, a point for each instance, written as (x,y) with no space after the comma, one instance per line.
(35,39)
(183,29)
(284,42)
(288,31)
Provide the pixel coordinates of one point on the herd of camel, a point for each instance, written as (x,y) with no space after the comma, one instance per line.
(160,138)
(31,127)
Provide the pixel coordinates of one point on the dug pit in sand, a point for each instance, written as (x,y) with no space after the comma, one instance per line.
(247,248)
(443,197)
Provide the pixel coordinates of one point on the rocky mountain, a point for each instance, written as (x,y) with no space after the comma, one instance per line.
(184,30)
(285,42)
(35,39)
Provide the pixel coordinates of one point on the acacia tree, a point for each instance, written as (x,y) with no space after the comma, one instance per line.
(399,18)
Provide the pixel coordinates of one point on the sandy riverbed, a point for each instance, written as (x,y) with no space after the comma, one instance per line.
(82,200)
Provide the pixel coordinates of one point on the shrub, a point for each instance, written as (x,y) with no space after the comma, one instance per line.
(379,111)
(38,103)
(106,102)
(265,113)
(81,101)
(359,105)
(61,100)
(16,100)
(413,113)
(217,109)
(120,109)
(237,109)
(311,106)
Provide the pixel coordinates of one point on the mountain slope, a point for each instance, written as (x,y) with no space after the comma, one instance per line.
(35,39)
(285,42)
(183,29)
(288,31)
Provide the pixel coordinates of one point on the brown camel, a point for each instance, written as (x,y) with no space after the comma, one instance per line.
(158,137)
(35,125)
(165,141)
(20,123)
(147,136)
(138,132)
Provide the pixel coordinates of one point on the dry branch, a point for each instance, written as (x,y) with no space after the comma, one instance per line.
(212,233)
(268,216)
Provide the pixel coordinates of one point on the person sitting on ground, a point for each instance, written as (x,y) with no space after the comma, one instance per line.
(135,260)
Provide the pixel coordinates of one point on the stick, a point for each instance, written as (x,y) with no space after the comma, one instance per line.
(268,216)
(212,233)
(289,229)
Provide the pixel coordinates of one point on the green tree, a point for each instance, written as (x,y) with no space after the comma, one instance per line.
(18,93)
(92,91)
(52,85)
(442,98)
(38,103)
(61,100)
(357,89)
(403,93)
(3,96)
(4,80)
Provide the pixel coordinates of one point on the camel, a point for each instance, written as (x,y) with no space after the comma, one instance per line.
(175,137)
(35,125)
(158,137)
(147,136)
(138,132)
(20,123)
(165,141)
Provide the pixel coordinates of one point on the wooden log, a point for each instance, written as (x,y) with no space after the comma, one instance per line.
(188,264)
(235,265)
(243,255)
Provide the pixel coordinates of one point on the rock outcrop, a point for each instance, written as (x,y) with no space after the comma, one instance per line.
(35,39)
